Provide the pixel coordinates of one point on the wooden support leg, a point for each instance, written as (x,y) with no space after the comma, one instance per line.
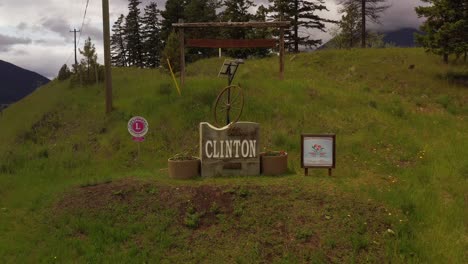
(281,53)
(182,54)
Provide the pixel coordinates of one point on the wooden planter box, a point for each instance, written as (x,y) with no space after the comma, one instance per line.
(184,169)
(273,165)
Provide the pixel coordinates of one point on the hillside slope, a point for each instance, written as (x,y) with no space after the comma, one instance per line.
(17,82)
(398,192)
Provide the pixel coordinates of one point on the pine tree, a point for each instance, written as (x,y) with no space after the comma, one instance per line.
(445,28)
(89,61)
(261,33)
(202,11)
(350,26)
(85,72)
(118,45)
(133,34)
(64,73)
(367,9)
(238,11)
(171,52)
(151,34)
(302,15)
(174,10)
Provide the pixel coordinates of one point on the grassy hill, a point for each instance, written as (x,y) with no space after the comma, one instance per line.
(73,189)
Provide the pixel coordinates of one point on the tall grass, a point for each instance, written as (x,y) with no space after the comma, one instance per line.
(401,139)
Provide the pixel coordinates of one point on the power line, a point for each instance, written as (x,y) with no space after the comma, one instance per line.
(82,23)
(81,30)
(69,57)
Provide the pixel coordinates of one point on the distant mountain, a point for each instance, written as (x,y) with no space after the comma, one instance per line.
(16,82)
(403,37)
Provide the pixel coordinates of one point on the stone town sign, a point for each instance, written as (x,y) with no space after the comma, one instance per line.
(230,151)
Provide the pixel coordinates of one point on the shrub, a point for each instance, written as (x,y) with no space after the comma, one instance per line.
(64,73)
(171,52)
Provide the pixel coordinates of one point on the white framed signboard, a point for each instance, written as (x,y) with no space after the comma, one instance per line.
(318,151)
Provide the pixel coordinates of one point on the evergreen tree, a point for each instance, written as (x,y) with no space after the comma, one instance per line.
(367,9)
(133,34)
(445,28)
(64,73)
(350,26)
(88,69)
(89,61)
(202,11)
(302,15)
(262,13)
(171,52)
(151,34)
(118,45)
(174,10)
(261,33)
(238,11)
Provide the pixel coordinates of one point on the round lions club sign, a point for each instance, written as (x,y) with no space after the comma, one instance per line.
(138,127)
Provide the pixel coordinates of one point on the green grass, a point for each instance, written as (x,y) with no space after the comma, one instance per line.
(401,165)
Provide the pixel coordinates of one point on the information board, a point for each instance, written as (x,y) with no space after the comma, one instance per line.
(318,151)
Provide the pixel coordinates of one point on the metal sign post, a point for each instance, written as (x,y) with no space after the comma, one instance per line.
(229,69)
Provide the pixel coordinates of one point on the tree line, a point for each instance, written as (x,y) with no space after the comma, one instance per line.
(445,29)
(144,39)
(147,39)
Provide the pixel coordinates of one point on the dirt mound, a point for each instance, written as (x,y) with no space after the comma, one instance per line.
(207,201)
(100,196)
(314,225)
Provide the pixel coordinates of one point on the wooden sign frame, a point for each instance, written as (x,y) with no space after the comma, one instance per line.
(231,43)
(307,167)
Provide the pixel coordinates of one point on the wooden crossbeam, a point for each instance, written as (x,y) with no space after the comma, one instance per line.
(231,43)
(275,24)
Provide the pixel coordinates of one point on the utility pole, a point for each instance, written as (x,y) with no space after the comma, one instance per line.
(363,26)
(107,55)
(75,31)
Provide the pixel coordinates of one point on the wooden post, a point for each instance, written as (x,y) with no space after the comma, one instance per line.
(182,54)
(329,172)
(281,53)
(363,24)
(107,55)
(209,43)
(306,172)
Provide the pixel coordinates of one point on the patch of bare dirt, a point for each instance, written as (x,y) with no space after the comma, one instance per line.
(340,225)
(99,196)
(206,200)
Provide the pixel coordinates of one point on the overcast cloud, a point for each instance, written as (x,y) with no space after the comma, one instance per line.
(36,34)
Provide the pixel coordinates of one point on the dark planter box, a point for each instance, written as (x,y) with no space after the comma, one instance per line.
(184,169)
(274,165)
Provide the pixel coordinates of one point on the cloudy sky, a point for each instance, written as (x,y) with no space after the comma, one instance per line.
(35,34)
